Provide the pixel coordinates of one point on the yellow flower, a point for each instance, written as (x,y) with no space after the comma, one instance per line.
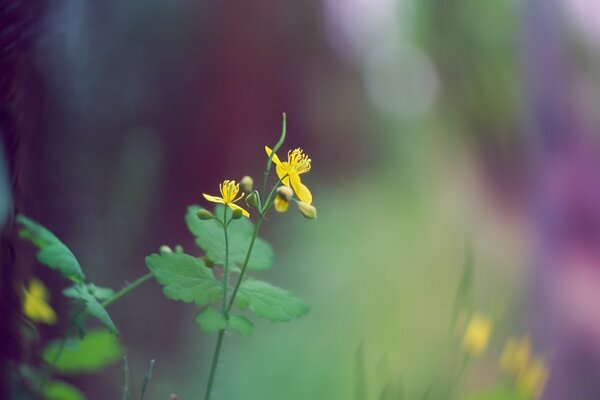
(281,204)
(35,303)
(533,379)
(289,172)
(228,189)
(515,356)
(477,335)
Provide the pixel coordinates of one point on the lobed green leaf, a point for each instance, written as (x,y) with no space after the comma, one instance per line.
(92,306)
(241,325)
(94,352)
(185,278)
(213,321)
(210,237)
(270,302)
(51,251)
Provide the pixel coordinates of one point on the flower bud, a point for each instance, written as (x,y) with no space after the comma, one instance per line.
(165,249)
(247,184)
(307,210)
(237,213)
(204,214)
(252,199)
(285,192)
(280,203)
(178,249)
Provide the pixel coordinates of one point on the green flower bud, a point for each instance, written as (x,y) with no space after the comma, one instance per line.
(247,184)
(165,249)
(237,213)
(307,210)
(204,214)
(285,192)
(252,199)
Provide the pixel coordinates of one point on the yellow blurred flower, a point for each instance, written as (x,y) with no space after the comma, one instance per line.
(229,190)
(289,172)
(35,303)
(477,335)
(532,380)
(515,356)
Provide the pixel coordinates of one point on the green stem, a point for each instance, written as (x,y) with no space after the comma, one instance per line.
(226,266)
(213,367)
(217,352)
(261,217)
(274,150)
(245,265)
(127,289)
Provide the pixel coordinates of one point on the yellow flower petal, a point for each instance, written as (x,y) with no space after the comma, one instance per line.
(236,207)
(37,289)
(34,303)
(477,335)
(515,356)
(301,191)
(282,173)
(281,204)
(532,381)
(275,159)
(214,199)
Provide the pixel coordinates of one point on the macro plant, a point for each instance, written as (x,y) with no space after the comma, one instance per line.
(218,280)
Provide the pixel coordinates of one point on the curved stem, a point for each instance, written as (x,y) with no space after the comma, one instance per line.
(270,159)
(127,289)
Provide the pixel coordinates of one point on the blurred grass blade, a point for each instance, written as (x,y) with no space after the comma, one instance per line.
(147,378)
(463,297)
(125,394)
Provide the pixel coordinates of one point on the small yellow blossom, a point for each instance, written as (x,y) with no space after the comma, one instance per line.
(477,335)
(515,356)
(35,303)
(532,380)
(229,191)
(280,203)
(289,172)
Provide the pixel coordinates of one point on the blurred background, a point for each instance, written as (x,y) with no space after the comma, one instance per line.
(434,126)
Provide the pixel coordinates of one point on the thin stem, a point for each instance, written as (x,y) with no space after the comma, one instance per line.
(215,359)
(251,246)
(213,368)
(226,266)
(127,289)
(245,265)
(274,150)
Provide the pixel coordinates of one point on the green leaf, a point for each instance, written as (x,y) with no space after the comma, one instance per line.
(92,306)
(52,252)
(100,293)
(241,325)
(185,278)
(210,237)
(97,350)
(211,320)
(270,302)
(59,390)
